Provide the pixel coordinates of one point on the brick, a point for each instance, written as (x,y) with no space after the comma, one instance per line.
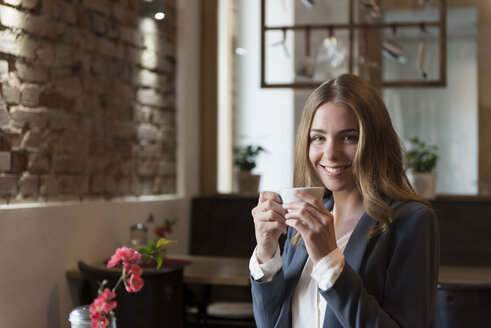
(99,24)
(14,3)
(30,4)
(26,47)
(8,184)
(54,99)
(74,185)
(103,184)
(19,161)
(31,141)
(83,18)
(10,94)
(4,113)
(4,67)
(48,185)
(131,36)
(147,167)
(9,141)
(38,163)
(167,168)
(64,56)
(5,159)
(67,144)
(123,129)
(28,185)
(11,17)
(121,91)
(127,167)
(107,47)
(29,95)
(43,26)
(95,85)
(51,8)
(149,59)
(124,186)
(148,78)
(102,6)
(144,114)
(9,42)
(46,53)
(34,118)
(69,13)
(150,97)
(113,30)
(66,83)
(147,132)
(31,73)
(168,186)
(67,164)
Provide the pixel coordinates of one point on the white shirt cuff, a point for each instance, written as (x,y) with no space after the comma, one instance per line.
(328,269)
(265,271)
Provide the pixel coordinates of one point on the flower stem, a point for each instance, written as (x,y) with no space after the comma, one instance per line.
(121,278)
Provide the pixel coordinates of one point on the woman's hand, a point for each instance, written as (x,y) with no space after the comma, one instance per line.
(314,222)
(269,224)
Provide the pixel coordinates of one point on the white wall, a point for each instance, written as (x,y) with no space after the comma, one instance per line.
(263,116)
(38,243)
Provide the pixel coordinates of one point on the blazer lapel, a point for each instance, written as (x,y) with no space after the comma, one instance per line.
(355,249)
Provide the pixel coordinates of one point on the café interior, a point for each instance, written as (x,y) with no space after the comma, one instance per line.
(120,123)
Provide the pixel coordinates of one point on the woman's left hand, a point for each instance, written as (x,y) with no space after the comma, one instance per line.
(314,222)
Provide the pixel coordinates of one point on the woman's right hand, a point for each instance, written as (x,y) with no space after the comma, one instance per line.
(269,224)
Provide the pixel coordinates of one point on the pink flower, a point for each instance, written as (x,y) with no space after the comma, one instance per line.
(132,269)
(134,283)
(99,320)
(101,307)
(123,255)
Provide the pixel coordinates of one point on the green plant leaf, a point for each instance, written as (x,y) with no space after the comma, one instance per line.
(159,260)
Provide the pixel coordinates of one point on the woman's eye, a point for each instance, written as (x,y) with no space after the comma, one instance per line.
(350,138)
(316,138)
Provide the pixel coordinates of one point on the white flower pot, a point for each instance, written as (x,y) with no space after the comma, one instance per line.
(425,184)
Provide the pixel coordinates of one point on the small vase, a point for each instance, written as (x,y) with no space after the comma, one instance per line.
(425,184)
(80,317)
(248,183)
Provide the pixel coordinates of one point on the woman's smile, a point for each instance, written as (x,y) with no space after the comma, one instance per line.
(335,170)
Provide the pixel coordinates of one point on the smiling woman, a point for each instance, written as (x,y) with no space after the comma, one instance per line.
(370,233)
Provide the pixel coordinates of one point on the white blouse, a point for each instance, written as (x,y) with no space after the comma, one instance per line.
(306,299)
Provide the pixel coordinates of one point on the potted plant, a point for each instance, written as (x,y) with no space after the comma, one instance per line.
(421,160)
(245,162)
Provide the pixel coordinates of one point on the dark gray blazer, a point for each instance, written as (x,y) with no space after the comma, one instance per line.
(388,281)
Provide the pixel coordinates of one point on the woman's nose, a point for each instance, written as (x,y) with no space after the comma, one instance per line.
(331,151)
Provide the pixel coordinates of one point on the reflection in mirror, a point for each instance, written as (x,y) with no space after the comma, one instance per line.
(446,117)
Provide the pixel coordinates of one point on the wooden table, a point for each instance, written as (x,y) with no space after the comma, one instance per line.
(206,270)
(463,297)
(216,270)
(465,276)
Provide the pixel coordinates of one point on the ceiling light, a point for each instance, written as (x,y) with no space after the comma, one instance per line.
(159,16)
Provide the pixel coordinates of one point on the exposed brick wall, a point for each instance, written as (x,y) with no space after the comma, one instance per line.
(87,100)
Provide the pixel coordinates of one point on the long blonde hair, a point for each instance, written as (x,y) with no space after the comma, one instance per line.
(378,165)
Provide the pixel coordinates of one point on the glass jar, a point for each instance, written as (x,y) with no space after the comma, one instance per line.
(80,317)
(138,235)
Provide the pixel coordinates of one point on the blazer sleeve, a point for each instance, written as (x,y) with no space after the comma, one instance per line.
(270,298)
(411,276)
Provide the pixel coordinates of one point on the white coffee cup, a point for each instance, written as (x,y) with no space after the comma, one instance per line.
(287,193)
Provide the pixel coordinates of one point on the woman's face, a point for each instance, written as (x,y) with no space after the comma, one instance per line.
(333,142)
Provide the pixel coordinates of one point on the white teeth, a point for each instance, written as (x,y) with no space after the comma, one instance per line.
(335,169)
